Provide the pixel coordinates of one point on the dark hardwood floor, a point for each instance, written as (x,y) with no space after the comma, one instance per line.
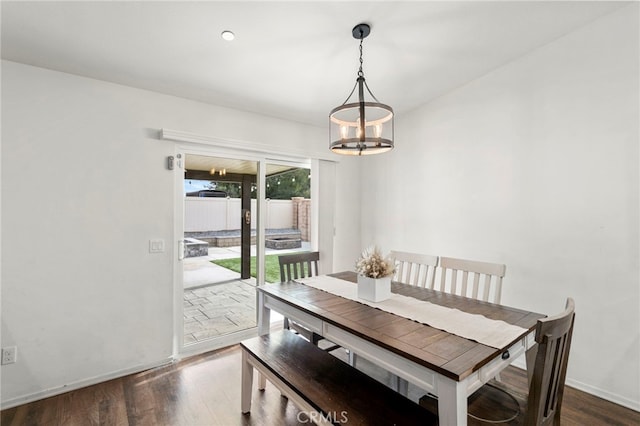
(205,390)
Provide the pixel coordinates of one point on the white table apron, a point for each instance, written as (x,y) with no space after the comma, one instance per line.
(452,394)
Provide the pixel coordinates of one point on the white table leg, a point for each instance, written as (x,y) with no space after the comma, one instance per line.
(401,385)
(531,361)
(264,326)
(352,358)
(452,402)
(262,381)
(264,316)
(247,383)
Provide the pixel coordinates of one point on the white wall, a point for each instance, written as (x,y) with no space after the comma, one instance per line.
(84,188)
(347,245)
(535,165)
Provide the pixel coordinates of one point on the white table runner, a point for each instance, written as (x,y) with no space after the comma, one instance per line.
(494,333)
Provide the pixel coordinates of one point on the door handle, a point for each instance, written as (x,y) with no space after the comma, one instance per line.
(180,249)
(247,217)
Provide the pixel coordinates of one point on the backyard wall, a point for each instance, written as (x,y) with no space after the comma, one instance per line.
(82,297)
(302,217)
(534,165)
(215,214)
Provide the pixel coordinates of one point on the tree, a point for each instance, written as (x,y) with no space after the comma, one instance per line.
(233,189)
(283,186)
(294,183)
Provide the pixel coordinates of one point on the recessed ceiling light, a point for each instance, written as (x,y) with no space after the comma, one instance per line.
(228,35)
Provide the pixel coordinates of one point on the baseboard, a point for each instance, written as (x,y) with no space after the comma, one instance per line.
(600,393)
(592,390)
(195,350)
(25,399)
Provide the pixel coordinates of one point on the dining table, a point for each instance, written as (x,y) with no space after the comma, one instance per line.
(447,345)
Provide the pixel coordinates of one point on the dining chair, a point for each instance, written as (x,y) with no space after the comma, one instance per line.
(542,405)
(473,279)
(295,266)
(414,268)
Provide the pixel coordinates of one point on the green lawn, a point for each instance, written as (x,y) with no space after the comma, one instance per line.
(271,264)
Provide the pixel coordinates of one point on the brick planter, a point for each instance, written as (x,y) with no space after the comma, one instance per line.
(281,243)
(195,248)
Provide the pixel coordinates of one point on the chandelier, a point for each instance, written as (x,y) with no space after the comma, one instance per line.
(361,127)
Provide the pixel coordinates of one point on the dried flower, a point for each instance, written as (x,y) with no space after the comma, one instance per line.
(373,264)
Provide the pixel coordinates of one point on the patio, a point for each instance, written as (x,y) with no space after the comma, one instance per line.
(216,301)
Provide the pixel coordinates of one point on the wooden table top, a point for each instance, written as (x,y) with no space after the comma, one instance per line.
(445,353)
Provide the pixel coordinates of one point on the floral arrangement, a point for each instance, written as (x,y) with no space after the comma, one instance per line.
(373,264)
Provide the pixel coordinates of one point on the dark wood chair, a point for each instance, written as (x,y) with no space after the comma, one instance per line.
(546,386)
(541,406)
(298,265)
(293,267)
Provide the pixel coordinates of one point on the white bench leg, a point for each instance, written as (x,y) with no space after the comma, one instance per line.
(247,383)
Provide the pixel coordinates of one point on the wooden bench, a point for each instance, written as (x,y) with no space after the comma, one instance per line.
(325,389)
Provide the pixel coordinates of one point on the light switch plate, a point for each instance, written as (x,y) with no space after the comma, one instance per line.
(9,355)
(156,246)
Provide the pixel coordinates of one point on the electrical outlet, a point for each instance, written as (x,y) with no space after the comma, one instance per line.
(9,355)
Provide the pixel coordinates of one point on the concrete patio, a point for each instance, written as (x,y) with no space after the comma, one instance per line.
(216,300)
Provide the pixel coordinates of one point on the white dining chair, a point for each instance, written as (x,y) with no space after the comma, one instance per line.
(473,279)
(414,268)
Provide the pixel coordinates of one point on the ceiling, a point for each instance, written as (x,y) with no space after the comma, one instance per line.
(229,165)
(294,60)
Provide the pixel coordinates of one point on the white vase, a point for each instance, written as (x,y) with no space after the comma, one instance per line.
(374,289)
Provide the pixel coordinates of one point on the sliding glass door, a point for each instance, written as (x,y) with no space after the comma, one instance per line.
(235,214)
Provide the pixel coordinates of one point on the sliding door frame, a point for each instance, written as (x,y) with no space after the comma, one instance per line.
(186,146)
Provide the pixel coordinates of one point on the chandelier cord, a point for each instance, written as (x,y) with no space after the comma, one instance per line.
(360,72)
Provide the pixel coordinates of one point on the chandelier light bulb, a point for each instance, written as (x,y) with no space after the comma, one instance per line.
(344,131)
(377,130)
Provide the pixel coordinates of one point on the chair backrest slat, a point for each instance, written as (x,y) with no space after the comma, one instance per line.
(298,265)
(465,279)
(474,275)
(414,268)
